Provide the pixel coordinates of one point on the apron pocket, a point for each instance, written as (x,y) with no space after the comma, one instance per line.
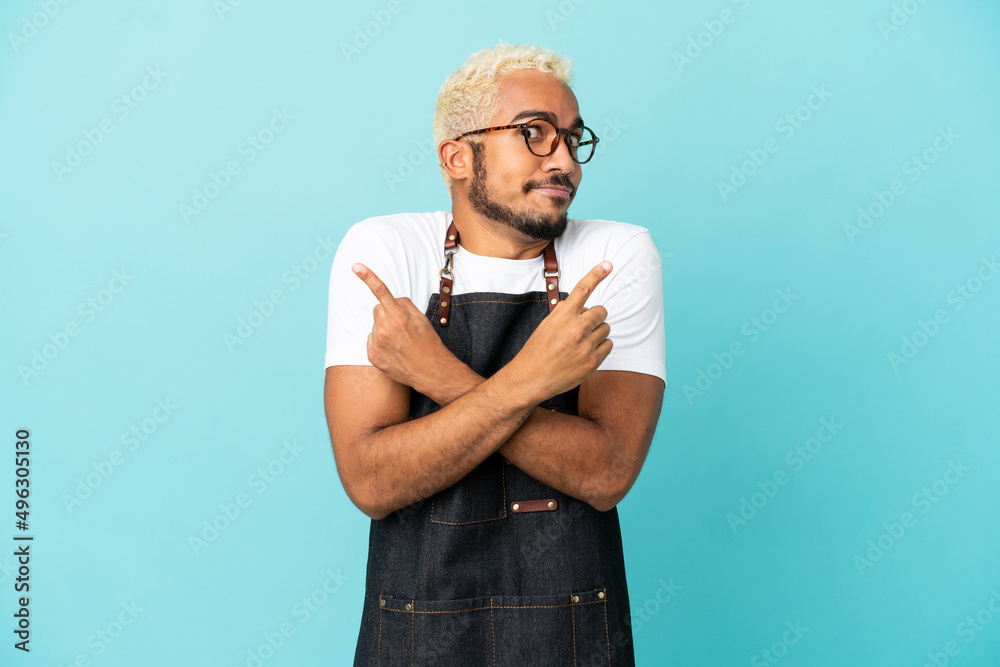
(438,632)
(554,630)
(479,496)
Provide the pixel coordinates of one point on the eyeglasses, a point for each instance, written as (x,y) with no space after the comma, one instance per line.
(542,138)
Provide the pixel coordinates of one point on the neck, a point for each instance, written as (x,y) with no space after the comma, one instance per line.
(484,236)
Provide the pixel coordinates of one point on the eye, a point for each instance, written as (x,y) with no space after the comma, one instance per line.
(532,132)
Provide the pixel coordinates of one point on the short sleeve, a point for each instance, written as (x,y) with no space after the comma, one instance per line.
(634,300)
(349,318)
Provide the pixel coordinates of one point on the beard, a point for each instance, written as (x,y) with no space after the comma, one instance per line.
(532,223)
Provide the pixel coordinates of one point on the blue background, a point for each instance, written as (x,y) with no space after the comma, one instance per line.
(708,585)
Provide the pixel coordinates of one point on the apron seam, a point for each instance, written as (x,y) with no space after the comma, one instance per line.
(466,303)
(378,658)
(503,487)
(572,617)
(464,523)
(493,635)
(527,606)
(607,636)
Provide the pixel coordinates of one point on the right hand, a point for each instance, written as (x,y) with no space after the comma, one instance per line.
(403,343)
(569,344)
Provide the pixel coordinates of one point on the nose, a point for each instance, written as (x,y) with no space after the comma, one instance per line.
(560,160)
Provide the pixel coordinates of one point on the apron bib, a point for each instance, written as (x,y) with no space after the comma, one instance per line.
(498,569)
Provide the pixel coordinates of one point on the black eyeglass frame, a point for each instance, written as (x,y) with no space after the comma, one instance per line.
(555,143)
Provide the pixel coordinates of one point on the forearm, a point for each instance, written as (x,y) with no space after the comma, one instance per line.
(570,453)
(398,465)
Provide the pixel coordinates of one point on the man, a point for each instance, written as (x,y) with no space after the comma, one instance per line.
(481,416)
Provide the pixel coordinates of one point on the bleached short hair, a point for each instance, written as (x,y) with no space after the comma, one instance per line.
(470,97)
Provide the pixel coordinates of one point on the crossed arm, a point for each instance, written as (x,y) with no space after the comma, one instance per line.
(386,461)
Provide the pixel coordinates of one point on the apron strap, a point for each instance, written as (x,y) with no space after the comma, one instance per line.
(446,276)
(550,273)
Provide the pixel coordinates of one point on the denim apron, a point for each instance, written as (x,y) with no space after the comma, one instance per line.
(498,569)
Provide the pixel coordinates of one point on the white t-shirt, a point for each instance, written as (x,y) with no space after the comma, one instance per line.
(407,250)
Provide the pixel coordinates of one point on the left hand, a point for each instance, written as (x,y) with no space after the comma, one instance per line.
(403,343)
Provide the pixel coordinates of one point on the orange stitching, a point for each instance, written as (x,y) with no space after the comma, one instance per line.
(493,634)
(456,305)
(606,635)
(465,523)
(378,657)
(460,611)
(572,616)
(503,482)
(411,631)
(503,487)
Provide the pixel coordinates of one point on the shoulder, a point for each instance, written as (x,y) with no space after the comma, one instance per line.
(419,228)
(593,237)
(404,250)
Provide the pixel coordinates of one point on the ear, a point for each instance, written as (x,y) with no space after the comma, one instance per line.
(455,157)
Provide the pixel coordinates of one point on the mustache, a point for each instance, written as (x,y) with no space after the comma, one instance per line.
(558,179)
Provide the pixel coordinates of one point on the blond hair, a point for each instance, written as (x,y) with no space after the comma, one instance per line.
(470,97)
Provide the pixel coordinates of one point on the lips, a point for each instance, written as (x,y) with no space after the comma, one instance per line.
(554,191)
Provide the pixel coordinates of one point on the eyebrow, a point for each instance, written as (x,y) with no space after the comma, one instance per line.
(547,115)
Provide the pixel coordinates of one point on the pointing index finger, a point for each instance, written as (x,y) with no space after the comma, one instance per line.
(587,284)
(375,284)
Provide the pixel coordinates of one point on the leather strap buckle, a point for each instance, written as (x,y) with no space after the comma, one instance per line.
(544,505)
